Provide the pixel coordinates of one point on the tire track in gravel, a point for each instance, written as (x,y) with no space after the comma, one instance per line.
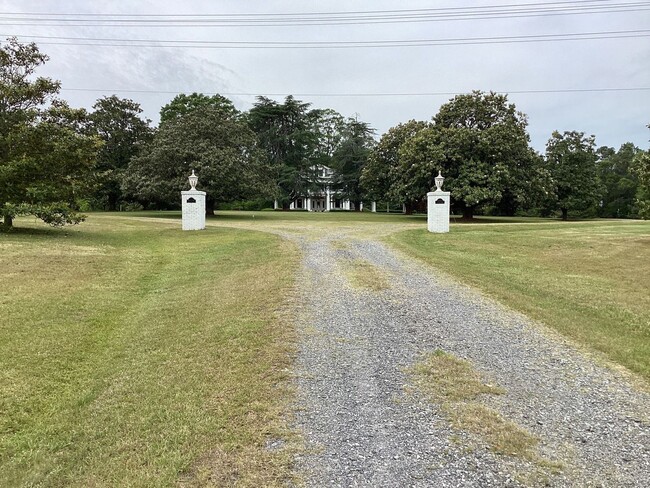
(362,427)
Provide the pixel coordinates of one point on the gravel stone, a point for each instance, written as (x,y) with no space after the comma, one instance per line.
(364,427)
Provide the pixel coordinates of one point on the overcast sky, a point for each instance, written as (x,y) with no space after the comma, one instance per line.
(614,117)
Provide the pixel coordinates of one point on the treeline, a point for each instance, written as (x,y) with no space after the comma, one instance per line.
(480,143)
(56,160)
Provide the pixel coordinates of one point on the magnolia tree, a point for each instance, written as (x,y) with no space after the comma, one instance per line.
(479,142)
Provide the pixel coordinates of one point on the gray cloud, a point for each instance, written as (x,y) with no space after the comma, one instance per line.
(614,117)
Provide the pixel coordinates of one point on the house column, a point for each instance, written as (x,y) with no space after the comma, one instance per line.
(373,207)
(308,204)
(275,204)
(328,201)
(360,206)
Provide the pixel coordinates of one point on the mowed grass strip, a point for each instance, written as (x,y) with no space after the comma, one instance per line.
(134,354)
(588,280)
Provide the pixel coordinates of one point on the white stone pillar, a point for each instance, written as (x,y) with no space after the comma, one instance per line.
(291,206)
(275,204)
(193,206)
(438,211)
(360,206)
(328,201)
(373,207)
(403,208)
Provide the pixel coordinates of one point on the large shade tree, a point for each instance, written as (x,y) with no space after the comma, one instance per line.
(286,134)
(350,158)
(480,143)
(571,159)
(119,124)
(46,155)
(219,146)
(619,181)
(381,177)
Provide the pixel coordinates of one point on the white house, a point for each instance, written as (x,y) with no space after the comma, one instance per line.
(325,197)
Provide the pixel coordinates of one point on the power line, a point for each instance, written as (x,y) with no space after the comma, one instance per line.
(345,12)
(363,95)
(322,18)
(121,42)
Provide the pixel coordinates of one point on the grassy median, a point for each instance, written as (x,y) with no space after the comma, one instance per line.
(588,280)
(134,354)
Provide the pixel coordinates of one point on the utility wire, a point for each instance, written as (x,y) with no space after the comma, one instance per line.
(345,12)
(121,42)
(307,19)
(421,94)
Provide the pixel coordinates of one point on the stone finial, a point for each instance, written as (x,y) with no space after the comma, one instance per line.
(193,180)
(439,180)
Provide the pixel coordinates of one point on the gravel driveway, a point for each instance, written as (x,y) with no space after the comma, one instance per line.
(363,426)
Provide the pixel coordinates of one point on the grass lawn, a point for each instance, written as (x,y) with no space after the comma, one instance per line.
(588,280)
(134,354)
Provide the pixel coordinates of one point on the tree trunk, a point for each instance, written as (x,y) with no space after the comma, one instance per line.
(209,207)
(7,222)
(565,213)
(468,213)
(112,202)
(357,205)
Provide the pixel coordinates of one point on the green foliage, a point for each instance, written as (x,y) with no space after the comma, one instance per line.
(350,158)
(618,180)
(383,171)
(481,145)
(219,147)
(117,122)
(286,133)
(46,156)
(642,169)
(571,160)
(184,104)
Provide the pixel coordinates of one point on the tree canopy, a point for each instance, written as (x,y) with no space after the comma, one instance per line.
(118,123)
(350,158)
(286,134)
(218,146)
(571,160)
(479,142)
(46,155)
(381,178)
(641,168)
(183,104)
